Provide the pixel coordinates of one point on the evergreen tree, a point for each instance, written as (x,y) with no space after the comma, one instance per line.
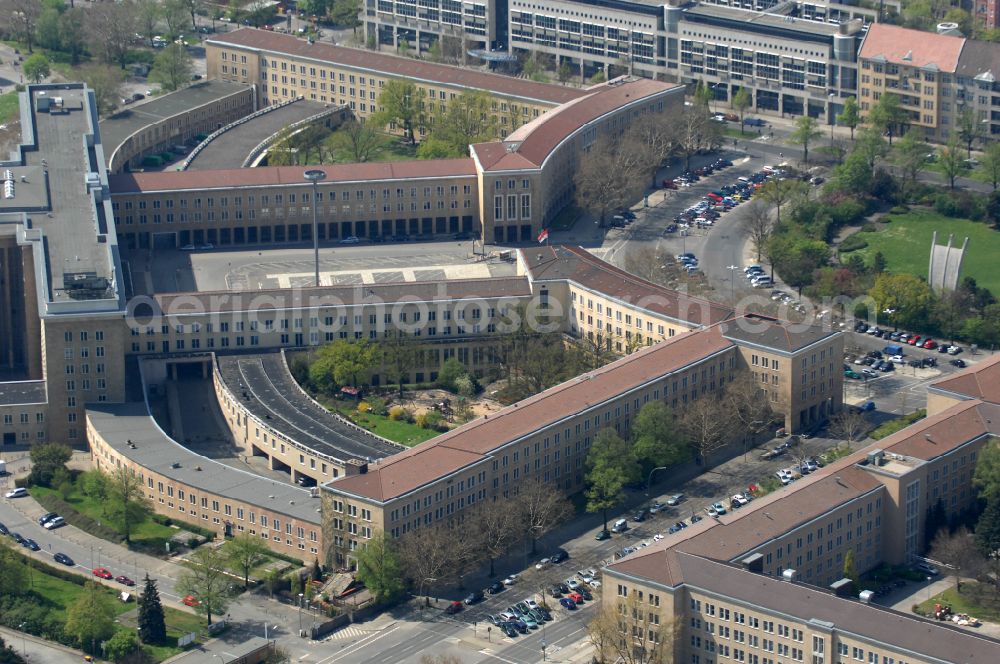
(152,626)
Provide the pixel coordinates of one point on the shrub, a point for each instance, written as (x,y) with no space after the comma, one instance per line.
(869,227)
(429,420)
(899,209)
(363,407)
(892,426)
(853,243)
(398,413)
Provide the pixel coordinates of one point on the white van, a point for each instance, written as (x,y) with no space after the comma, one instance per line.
(621,525)
(762,282)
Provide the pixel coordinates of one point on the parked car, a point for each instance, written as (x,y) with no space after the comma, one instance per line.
(495,588)
(640,515)
(19,492)
(559,556)
(656,507)
(454,608)
(576,597)
(124,580)
(926,568)
(4,530)
(508,629)
(45,518)
(738,500)
(350,239)
(63,559)
(567,603)
(602,535)
(510,580)
(55,522)
(190,600)
(102,573)
(31,544)
(958,363)
(675,499)
(754,122)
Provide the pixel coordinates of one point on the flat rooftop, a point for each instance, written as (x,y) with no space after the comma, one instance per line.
(120,424)
(57,187)
(121,125)
(229,150)
(776,25)
(270,392)
(22,392)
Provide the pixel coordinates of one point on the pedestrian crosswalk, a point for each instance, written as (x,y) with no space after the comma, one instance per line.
(349,632)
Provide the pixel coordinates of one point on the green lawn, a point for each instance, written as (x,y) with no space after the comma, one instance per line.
(976,599)
(62,594)
(148,534)
(178,622)
(906,243)
(8,107)
(397,430)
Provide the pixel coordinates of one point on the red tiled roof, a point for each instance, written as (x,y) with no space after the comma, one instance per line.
(914,48)
(283,175)
(536,140)
(980,381)
(565,262)
(939,434)
(366,60)
(409,470)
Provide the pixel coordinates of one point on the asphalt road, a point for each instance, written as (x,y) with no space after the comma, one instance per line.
(38,650)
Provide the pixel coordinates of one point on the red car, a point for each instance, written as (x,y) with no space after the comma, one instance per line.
(576,597)
(669,184)
(124,580)
(454,607)
(914,340)
(190,601)
(930,344)
(102,573)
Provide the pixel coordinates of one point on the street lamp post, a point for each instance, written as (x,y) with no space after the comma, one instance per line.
(427,599)
(732,281)
(301,596)
(314,175)
(649,479)
(24,643)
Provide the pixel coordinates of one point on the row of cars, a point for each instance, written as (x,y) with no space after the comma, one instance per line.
(788,475)
(907,338)
(687,178)
(49,521)
(103,573)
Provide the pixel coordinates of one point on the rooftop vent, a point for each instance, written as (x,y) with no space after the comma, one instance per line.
(788,575)
(175,465)
(866,596)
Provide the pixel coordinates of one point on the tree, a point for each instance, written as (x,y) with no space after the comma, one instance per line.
(989,164)
(341,362)
(952,161)
(8,655)
(106,81)
(47,29)
(988,529)
(707,425)
(746,401)
(379,568)
(358,139)
(758,224)
(541,507)
(13,572)
(779,192)
(871,146)
(345,13)
(703,94)
(22,20)
(878,263)
(850,116)
(986,477)
(610,466)
(46,459)
(656,140)
(495,530)
(91,618)
(111,27)
(969,128)
(908,296)
(655,438)
(428,556)
(244,553)
(741,102)
(72,24)
(631,632)
(608,176)
(645,262)
(152,624)
(175,15)
(887,115)
(399,104)
(957,552)
(121,645)
(468,120)
(910,157)
(127,498)
(806,131)
(206,580)
(398,357)
(36,67)
(850,425)
(172,67)
(694,131)
(148,14)
(850,570)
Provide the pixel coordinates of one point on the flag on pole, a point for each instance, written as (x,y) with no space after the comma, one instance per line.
(543,236)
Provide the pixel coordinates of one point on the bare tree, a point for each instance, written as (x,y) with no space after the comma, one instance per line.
(428,556)
(759,225)
(849,424)
(127,492)
(22,17)
(496,529)
(707,424)
(957,551)
(112,26)
(693,131)
(656,139)
(746,400)
(608,176)
(630,632)
(542,507)
(645,262)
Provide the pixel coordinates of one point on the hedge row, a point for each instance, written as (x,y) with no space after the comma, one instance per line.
(53,503)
